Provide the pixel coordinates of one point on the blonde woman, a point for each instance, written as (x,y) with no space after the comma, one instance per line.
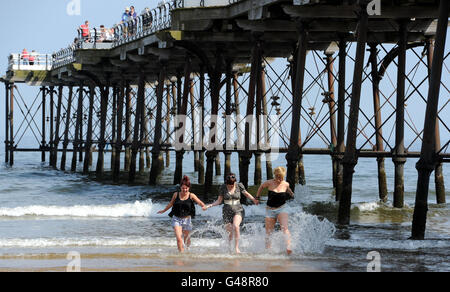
(279,193)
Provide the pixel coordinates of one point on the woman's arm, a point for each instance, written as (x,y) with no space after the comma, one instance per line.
(170,204)
(261,188)
(248,195)
(198,201)
(289,190)
(216,203)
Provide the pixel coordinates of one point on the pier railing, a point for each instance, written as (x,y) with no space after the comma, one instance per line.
(37,62)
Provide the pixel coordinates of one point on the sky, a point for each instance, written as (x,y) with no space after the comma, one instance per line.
(46,26)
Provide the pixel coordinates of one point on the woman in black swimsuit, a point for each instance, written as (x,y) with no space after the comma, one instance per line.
(279,193)
(233,213)
(183,210)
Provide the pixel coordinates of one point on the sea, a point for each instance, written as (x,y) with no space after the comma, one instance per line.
(52,220)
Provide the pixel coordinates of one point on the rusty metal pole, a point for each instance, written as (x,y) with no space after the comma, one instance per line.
(382,184)
(427,161)
(137,123)
(211,155)
(228,113)
(44,104)
(438,173)
(77,139)
(155,170)
(67,128)
(257,180)
(194,121)
(114,127)
(350,157)
(118,144)
(294,150)
(58,125)
(246,155)
(170,87)
(52,133)
(237,113)
(127,127)
(399,159)
(201,154)
(11,125)
(182,124)
(7,122)
(329,98)
(300,169)
(340,148)
(88,145)
(104,96)
(269,171)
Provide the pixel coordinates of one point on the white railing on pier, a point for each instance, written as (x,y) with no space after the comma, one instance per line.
(30,61)
(147,23)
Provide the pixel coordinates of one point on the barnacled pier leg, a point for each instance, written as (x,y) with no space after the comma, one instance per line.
(427,161)
(329,98)
(104,91)
(350,157)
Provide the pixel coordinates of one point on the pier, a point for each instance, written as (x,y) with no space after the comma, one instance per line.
(248,78)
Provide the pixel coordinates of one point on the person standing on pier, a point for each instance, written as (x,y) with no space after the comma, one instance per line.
(279,193)
(233,212)
(183,210)
(25,56)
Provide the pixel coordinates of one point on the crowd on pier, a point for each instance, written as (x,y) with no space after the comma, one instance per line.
(128,20)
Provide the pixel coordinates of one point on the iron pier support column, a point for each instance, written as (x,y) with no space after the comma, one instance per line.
(67,128)
(135,146)
(52,128)
(156,168)
(399,152)
(7,122)
(88,145)
(427,161)
(340,148)
(44,104)
(119,124)
(201,154)
(104,96)
(350,157)
(329,98)
(56,139)
(77,139)
(11,124)
(294,150)
(438,174)
(382,185)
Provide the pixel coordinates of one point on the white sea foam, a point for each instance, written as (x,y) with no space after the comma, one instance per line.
(136,209)
(375,244)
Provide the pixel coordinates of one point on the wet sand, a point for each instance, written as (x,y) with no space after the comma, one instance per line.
(150,263)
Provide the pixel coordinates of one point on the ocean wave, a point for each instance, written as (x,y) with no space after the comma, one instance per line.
(374,244)
(136,209)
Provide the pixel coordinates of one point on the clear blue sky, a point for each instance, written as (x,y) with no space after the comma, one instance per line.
(46,27)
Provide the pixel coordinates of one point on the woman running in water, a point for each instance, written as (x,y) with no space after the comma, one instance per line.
(279,193)
(233,213)
(183,210)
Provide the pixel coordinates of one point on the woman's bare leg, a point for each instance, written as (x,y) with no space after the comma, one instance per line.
(179,235)
(283,218)
(270,226)
(187,238)
(237,220)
